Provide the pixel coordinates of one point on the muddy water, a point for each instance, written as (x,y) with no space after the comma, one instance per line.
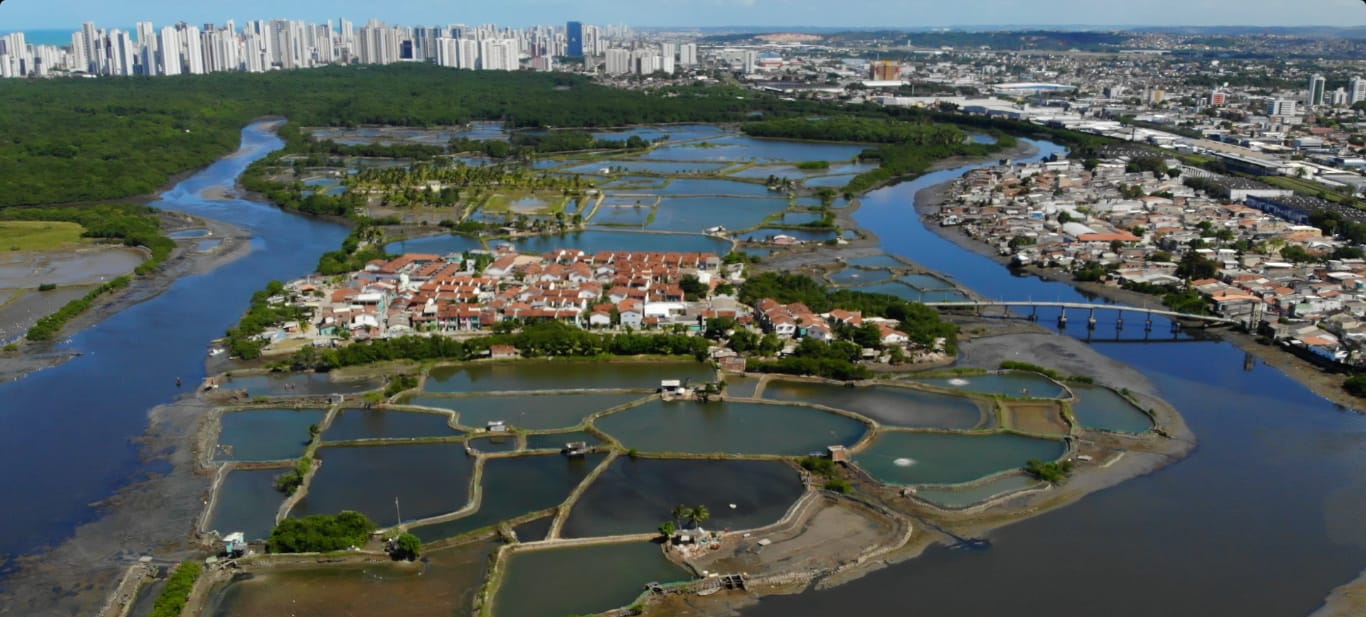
(635,496)
(730,428)
(265,435)
(442,586)
(522,376)
(943,458)
(425,479)
(517,486)
(387,424)
(888,405)
(527,412)
(580,581)
(247,502)
(1102,408)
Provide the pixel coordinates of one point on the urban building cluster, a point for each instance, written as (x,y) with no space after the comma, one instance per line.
(1243,246)
(265,45)
(473,292)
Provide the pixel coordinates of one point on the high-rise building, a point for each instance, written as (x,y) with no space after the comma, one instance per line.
(499,55)
(574,39)
(168,54)
(1281,107)
(1217,99)
(687,54)
(1356,90)
(1317,83)
(618,62)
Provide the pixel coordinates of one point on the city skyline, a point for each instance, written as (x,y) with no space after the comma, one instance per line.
(22,15)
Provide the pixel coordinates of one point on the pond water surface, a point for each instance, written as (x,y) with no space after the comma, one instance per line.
(730,428)
(534,412)
(580,581)
(425,479)
(947,458)
(636,495)
(265,435)
(888,405)
(566,375)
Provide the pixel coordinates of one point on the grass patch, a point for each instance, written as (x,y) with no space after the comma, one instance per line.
(39,235)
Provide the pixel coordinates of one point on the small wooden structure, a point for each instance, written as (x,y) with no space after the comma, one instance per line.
(839,454)
(575,449)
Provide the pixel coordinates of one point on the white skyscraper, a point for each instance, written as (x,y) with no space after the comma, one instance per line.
(168,51)
(618,62)
(90,41)
(499,55)
(1356,90)
(122,53)
(687,54)
(191,50)
(80,59)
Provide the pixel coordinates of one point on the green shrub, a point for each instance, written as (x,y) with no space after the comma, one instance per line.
(321,533)
(177,590)
(1052,473)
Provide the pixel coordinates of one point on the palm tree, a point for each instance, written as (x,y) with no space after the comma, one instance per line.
(683,513)
(700,514)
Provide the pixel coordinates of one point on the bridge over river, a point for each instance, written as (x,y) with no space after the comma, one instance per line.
(1091,309)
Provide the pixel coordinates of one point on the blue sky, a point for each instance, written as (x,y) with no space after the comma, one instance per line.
(67,14)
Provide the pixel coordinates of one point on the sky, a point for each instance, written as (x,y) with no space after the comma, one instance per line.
(67,14)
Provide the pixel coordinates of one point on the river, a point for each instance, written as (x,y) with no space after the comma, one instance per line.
(66,433)
(1264,518)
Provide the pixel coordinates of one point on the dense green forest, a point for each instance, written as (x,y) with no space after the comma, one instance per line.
(78,139)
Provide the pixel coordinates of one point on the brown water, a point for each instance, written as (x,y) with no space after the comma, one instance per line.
(443,586)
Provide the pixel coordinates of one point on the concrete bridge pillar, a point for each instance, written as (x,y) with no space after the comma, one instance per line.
(1091,320)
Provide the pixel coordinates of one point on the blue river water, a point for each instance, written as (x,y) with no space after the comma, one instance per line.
(66,433)
(1263,519)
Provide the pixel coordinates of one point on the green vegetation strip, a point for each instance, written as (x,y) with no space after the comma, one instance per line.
(177,591)
(47,328)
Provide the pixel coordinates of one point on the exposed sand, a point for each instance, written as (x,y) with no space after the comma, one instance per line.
(1346,601)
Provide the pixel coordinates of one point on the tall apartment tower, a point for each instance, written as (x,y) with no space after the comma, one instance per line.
(1356,90)
(1317,84)
(574,39)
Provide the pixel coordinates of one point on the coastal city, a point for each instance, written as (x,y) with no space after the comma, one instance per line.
(366,310)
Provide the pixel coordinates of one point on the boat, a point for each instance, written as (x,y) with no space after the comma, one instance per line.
(708,591)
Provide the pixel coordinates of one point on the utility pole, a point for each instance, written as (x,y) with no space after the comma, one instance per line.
(397,513)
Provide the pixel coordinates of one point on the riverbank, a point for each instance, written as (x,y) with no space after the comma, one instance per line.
(234,242)
(1346,601)
(1324,383)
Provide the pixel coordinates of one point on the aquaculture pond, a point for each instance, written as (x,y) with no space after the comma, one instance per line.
(565,375)
(837,181)
(642,166)
(696,214)
(730,428)
(1020,385)
(426,480)
(499,442)
(1105,409)
(557,441)
(977,493)
(440,245)
(247,502)
(265,435)
(443,584)
(876,261)
(636,495)
(514,487)
(853,277)
(888,405)
(352,424)
(802,235)
(904,457)
(296,384)
(741,386)
(708,187)
(593,241)
(743,148)
(675,133)
(536,530)
(581,580)
(533,412)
